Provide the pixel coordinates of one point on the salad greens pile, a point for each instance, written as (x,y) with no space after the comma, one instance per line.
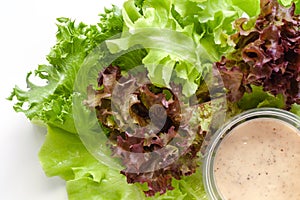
(266,54)
(206,34)
(156,137)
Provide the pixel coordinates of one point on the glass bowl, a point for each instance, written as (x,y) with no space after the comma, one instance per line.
(246,151)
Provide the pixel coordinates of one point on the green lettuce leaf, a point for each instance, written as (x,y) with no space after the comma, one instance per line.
(188,188)
(289,2)
(64,155)
(205,24)
(252,9)
(258,98)
(295,109)
(51,103)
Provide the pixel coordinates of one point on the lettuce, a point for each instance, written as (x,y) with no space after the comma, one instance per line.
(177,40)
(152,129)
(258,98)
(295,109)
(51,103)
(64,155)
(266,54)
(180,36)
(290,2)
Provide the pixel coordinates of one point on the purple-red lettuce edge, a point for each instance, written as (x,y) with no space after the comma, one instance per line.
(267,55)
(142,150)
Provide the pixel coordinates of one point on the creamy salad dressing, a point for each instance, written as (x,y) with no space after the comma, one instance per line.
(259,160)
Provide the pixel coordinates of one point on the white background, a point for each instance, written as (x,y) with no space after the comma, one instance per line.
(27,32)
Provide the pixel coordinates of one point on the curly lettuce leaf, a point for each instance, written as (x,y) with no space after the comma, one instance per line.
(51,103)
(188,188)
(258,98)
(206,24)
(64,155)
(265,55)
